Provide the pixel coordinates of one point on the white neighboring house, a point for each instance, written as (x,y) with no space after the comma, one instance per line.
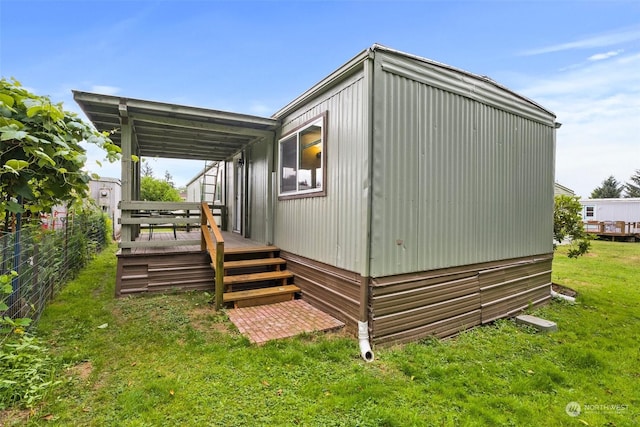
(627,210)
(107,193)
(614,217)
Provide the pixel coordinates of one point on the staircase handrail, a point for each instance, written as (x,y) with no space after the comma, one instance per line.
(215,248)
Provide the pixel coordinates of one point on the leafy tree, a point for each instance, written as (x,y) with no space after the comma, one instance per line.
(41,159)
(168,178)
(632,188)
(610,189)
(567,225)
(152,189)
(146,168)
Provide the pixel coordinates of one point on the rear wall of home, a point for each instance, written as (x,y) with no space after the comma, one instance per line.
(462,171)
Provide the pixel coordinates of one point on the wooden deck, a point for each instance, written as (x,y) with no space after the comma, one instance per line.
(231,240)
(614,229)
(178,267)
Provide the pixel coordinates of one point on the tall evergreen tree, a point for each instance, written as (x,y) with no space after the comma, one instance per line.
(632,188)
(610,189)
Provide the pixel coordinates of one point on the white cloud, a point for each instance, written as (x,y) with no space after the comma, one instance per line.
(260,109)
(105,90)
(602,40)
(606,55)
(599,106)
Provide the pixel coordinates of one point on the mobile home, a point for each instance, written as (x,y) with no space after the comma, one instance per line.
(407,198)
(612,217)
(627,210)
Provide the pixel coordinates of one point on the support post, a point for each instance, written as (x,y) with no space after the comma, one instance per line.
(126,235)
(219,274)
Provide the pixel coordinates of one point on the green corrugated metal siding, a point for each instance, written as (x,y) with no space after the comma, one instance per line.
(258,163)
(332,229)
(456,181)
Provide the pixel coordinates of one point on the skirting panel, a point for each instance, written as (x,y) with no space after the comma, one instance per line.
(332,290)
(183,271)
(507,290)
(444,302)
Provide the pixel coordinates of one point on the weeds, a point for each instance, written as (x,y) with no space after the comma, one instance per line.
(28,372)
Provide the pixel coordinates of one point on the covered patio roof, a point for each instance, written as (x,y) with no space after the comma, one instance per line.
(174,131)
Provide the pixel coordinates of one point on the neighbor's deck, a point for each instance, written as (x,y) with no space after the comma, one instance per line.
(613,229)
(231,240)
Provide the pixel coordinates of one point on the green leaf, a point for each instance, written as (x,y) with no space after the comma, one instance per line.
(75,125)
(17,164)
(44,157)
(62,170)
(14,207)
(135,158)
(7,121)
(23,189)
(32,111)
(23,321)
(13,134)
(55,112)
(7,100)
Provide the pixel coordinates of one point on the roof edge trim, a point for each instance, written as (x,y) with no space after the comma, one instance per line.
(379,47)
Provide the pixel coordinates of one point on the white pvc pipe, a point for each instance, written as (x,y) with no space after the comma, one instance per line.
(567,298)
(363,338)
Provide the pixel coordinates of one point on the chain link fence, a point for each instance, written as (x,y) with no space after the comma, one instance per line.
(45,260)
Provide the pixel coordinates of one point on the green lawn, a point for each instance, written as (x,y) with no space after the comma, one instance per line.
(171,360)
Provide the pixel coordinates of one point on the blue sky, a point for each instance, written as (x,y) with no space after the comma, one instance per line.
(580,59)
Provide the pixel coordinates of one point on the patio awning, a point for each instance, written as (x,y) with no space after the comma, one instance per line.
(175,131)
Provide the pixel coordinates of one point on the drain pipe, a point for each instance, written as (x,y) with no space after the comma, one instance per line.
(570,300)
(363,322)
(363,339)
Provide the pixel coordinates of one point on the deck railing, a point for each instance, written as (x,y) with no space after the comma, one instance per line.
(215,247)
(155,215)
(137,214)
(614,228)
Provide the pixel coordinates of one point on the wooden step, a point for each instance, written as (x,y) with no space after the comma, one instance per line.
(250,250)
(261,296)
(257,277)
(246,263)
(184,268)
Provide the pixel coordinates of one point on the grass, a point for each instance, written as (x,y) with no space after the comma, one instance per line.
(171,360)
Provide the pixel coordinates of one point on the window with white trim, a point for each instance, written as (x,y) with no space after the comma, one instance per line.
(302,161)
(589,212)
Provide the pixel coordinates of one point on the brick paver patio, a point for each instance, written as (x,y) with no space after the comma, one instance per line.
(281,320)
